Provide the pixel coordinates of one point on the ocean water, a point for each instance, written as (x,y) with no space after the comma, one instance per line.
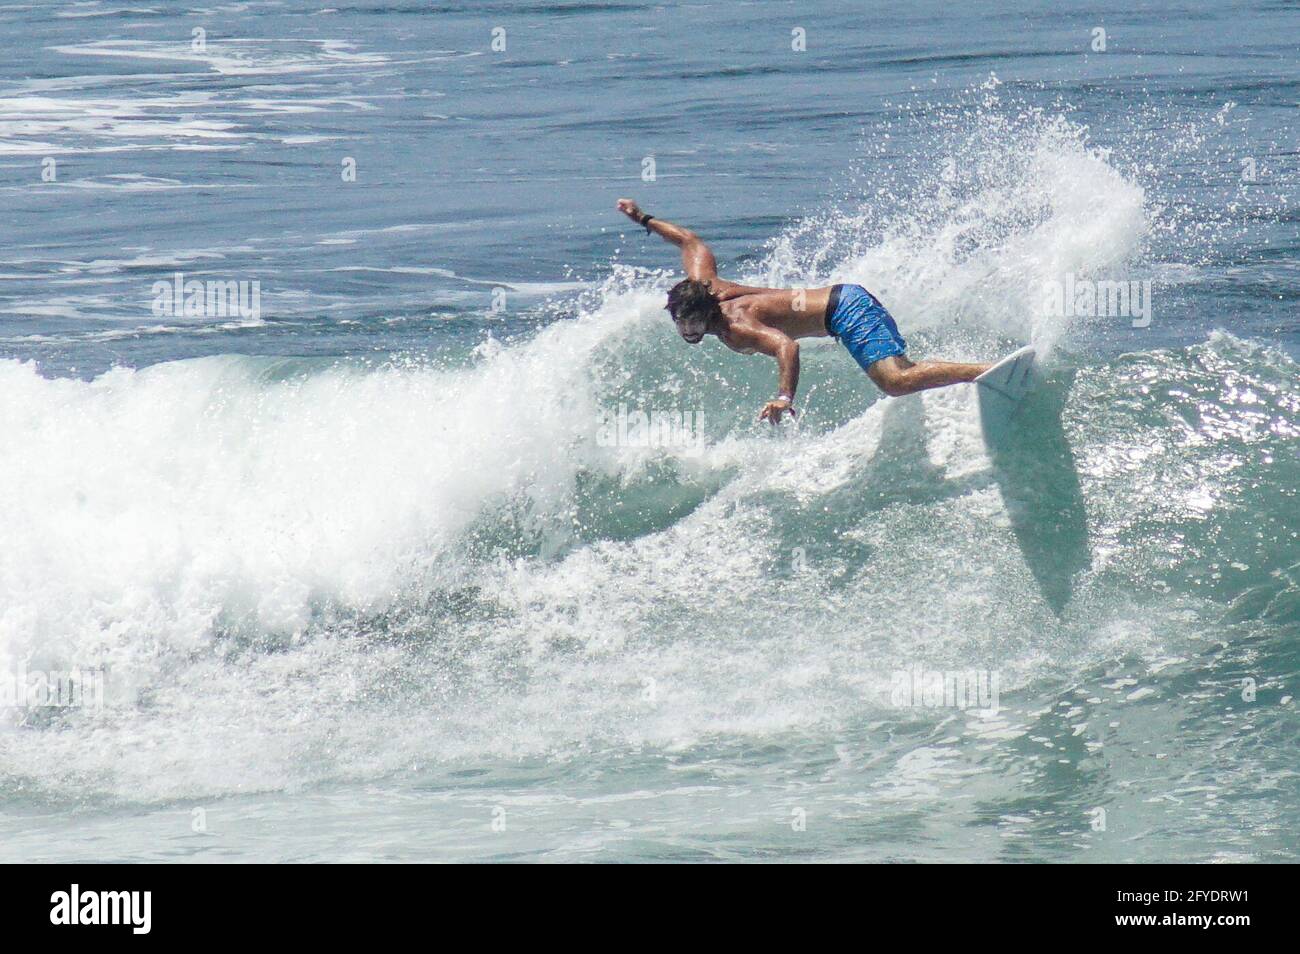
(371,571)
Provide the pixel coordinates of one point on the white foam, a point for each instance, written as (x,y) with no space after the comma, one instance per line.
(237,56)
(1019,202)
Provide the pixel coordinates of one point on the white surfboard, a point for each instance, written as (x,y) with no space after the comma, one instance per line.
(1001,389)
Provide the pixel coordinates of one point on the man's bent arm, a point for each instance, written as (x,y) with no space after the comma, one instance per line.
(787,362)
(697,258)
(784,349)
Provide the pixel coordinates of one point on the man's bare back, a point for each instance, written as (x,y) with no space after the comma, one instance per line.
(797,312)
(755,320)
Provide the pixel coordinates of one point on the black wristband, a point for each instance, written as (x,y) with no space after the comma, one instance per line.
(645,223)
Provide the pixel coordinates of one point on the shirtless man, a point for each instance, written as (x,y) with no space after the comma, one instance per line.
(769,320)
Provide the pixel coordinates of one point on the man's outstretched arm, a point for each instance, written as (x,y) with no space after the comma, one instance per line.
(697,258)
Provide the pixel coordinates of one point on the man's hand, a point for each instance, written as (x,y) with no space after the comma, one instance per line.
(773,410)
(631,210)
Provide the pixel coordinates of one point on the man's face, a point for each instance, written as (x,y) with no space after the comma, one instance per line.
(692,329)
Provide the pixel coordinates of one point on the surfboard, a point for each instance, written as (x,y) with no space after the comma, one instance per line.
(1002,388)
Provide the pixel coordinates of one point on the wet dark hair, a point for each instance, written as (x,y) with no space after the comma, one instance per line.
(691,298)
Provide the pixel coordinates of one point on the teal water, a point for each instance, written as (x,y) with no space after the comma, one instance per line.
(369,574)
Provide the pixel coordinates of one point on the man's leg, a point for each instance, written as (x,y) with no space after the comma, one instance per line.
(898,375)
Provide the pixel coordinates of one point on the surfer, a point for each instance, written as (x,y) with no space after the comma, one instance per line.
(771,320)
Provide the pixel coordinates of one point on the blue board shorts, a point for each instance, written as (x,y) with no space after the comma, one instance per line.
(860,322)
